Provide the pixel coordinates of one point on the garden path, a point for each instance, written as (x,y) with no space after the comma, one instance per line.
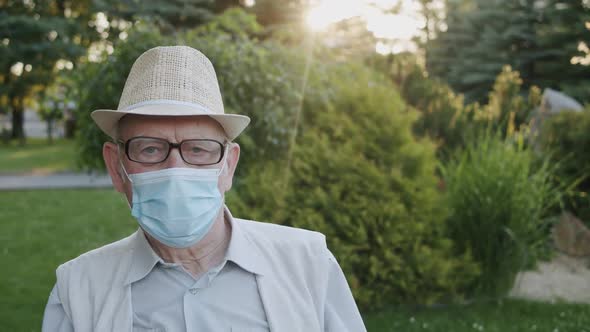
(53,181)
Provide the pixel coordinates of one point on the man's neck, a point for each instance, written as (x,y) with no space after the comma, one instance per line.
(202,256)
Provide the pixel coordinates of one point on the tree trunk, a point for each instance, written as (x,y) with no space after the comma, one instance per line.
(70,128)
(18,119)
(49,130)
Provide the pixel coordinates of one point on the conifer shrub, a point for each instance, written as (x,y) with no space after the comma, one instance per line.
(358,175)
(444,117)
(442,112)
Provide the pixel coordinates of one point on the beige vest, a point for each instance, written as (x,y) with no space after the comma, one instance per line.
(96,296)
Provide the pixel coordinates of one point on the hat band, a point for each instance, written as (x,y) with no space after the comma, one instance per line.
(167,102)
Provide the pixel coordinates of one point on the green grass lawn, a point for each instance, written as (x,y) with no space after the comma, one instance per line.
(496,316)
(41,229)
(37,156)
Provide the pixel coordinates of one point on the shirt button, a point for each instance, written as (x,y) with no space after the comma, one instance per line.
(193,291)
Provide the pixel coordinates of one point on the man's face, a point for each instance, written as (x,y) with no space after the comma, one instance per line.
(174,130)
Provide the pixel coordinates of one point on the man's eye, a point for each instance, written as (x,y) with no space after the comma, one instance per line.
(197,150)
(150,150)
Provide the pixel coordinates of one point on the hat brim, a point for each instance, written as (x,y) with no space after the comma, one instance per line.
(232,124)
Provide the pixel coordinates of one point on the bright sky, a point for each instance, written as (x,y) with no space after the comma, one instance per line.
(397,28)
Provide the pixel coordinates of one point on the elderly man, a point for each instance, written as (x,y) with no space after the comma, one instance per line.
(191,266)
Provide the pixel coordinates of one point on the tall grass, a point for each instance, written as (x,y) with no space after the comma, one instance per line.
(499,193)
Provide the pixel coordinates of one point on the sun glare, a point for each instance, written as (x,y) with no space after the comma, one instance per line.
(397,28)
(326,12)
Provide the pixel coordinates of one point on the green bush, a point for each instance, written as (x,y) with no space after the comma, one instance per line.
(499,195)
(442,111)
(566,138)
(359,176)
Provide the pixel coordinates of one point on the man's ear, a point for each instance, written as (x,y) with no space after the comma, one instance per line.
(110,153)
(231,162)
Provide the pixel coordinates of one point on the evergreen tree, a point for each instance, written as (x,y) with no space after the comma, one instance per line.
(482,36)
(564,28)
(169,15)
(536,38)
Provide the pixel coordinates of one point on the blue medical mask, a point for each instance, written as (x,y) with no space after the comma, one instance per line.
(177,206)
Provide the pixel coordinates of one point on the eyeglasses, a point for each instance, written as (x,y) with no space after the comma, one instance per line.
(152,150)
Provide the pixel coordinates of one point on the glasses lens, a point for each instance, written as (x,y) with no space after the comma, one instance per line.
(201,152)
(148,150)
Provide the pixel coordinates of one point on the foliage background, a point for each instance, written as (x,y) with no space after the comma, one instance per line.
(383,154)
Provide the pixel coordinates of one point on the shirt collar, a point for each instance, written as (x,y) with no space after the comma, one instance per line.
(240,251)
(144,258)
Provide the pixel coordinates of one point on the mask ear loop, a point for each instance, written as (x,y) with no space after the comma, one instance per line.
(130,204)
(224,160)
(123,167)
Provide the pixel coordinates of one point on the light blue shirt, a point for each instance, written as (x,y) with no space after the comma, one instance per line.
(165,297)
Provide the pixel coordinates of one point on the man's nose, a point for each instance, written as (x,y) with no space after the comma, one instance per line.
(175,159)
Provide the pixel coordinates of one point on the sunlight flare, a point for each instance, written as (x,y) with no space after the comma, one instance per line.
(401,26)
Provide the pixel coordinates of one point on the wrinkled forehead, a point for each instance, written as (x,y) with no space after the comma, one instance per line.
(172,128)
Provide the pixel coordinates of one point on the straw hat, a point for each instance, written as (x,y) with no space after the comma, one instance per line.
(171,81)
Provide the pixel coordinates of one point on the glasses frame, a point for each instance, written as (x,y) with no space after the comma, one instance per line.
(173,146)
